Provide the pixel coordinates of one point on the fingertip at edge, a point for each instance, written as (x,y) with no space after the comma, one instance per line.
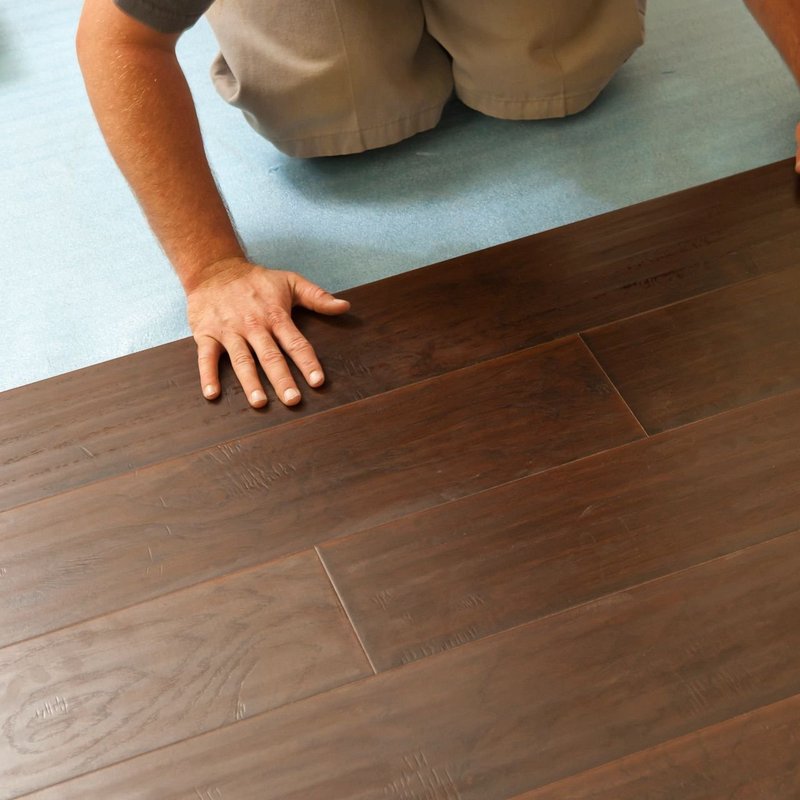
(258,399)
(316,379)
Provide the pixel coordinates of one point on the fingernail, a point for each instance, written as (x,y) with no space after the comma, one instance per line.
(315,377)
(290,395)
(257,396)
(210,391)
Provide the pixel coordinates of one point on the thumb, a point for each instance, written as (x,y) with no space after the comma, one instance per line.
(311,296)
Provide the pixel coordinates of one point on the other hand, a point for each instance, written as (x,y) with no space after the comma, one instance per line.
(797,157)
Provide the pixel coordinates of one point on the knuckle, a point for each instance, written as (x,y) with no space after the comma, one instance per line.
(271,358)
(241,359)
(252,321)
(276,317)
(203,336)
(299,344)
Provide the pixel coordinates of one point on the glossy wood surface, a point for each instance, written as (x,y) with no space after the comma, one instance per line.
(202,658)
(628,671)
(441,578)
(497,301)
(703,356)
(752,756)
(288,488)
(538,538)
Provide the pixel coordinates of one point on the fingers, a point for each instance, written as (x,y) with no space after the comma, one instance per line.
(311,296)
(252,315)
(297,347)
(245,369)
(208,353)
(275,367)
(269,356)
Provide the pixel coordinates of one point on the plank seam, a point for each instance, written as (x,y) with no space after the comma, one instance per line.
(675,739)
(612,384)
(344,609)
(293,553)
(343,537)
(559,341)
(728,286)
(575,334)
(349,685)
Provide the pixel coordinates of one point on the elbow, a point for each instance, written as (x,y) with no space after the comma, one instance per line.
(104,30)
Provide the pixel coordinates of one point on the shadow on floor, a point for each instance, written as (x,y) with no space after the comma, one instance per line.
(469,153)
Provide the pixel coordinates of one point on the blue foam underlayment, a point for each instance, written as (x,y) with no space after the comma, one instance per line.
(83,281)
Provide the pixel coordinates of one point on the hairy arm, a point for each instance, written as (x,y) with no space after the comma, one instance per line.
(146,113)
(780,20)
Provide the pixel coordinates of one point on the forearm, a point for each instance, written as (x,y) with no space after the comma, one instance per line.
(780,20)
(146,113)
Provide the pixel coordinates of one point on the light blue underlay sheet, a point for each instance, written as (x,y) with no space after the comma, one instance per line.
(82,279)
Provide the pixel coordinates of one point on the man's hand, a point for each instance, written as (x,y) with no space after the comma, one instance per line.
(797,156)
(147,115)
(242,306)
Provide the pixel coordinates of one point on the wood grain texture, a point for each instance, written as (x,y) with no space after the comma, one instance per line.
(706,355)
(74,429)
(559,606)
(512,712)
(753,757)
(291,487)
(445,577)
(175,667)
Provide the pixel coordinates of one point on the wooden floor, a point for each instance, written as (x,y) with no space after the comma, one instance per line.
(538,538)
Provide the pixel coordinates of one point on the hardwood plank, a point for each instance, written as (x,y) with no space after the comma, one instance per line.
(519,710)
(175,667)
(706,355)
(446,576)
(77,428)
(778,253)
(752,756)
(290,487)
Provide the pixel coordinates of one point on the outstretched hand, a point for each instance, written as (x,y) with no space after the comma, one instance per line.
(797,157)
(245,309)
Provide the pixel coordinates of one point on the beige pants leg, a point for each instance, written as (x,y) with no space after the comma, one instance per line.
(530,59)
(326,77)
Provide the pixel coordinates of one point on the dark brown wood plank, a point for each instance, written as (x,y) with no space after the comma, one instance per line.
(754,756)
(706,355)
(778,252)
(443,577)
(519,710)
(154,674)
(85,552)
(125,414)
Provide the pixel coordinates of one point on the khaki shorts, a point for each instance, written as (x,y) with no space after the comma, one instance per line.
(328,77)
